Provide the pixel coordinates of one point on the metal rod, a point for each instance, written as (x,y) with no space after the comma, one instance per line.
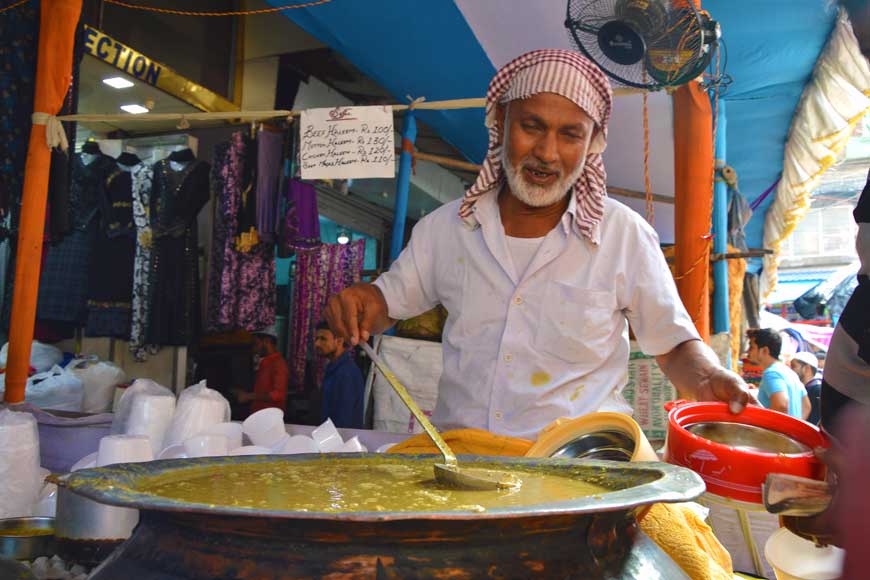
(721,308)
(403,184)
(428,427)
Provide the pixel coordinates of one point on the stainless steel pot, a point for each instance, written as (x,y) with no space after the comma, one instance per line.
(88,531)
(22,547)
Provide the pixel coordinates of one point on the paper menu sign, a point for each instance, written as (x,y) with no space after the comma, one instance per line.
(347,143)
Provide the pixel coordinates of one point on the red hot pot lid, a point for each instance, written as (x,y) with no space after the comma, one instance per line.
(736,469)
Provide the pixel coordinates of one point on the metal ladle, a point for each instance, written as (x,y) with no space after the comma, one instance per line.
(448,473)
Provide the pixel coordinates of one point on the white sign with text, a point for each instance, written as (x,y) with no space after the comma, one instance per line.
(347,143)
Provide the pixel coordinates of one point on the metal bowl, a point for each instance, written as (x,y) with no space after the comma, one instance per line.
(748,437)
(26,547)
(610,445)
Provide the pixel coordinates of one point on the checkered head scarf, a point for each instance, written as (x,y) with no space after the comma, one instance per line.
(564,73)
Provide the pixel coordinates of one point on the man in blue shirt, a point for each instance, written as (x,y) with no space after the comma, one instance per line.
(343,386)
(781,389)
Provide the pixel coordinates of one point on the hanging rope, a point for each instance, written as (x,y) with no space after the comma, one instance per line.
(13,5)
(231,13)
(650,206)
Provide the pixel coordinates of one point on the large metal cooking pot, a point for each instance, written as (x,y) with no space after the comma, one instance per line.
(88,531)
(587,537)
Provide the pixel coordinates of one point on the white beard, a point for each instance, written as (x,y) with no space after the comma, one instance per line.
(531,194)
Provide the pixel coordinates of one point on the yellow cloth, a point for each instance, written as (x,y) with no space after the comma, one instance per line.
(677,530)
(690,542)
(467,441)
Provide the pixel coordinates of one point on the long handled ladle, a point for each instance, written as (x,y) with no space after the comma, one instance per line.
(448,473)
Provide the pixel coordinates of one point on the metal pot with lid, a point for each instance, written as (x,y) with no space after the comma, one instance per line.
(585,537)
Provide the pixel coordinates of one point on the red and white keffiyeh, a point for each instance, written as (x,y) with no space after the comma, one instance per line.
(565,73)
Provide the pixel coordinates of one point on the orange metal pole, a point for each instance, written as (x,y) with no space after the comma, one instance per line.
(57,26)
(693,211)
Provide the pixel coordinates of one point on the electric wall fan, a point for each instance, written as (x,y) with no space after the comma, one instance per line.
(648,44)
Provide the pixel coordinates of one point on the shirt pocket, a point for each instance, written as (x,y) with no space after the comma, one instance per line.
(576,324)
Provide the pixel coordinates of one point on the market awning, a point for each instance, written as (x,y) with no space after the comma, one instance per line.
(451,49)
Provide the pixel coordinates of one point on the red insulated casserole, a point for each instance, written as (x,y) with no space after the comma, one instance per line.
(733,472)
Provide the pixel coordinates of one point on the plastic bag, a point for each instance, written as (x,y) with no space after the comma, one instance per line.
(42,356)
(99,379)
(56,389)
(20,481)
(120,422)
(198,408)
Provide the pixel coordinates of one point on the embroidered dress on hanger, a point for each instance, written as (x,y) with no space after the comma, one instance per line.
(241,293)
(142,177)
(110,288)
(300,228)
(177,196)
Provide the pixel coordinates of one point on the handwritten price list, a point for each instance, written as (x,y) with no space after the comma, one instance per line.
(347,143)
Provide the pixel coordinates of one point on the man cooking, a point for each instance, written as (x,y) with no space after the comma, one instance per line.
(539,270)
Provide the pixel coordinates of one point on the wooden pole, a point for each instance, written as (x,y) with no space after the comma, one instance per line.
(57,25)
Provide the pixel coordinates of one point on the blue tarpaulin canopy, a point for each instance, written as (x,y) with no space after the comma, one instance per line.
(449,49)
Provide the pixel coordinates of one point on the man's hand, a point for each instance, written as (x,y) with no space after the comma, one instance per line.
(726,386)
(357,312)
(695,372)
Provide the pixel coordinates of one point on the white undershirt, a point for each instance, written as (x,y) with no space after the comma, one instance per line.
(522,251)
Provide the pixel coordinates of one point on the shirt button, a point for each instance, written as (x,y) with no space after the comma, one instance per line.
(498,415)
(508,357)
(518,300)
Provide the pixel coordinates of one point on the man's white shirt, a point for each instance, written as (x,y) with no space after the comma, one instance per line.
(523,349)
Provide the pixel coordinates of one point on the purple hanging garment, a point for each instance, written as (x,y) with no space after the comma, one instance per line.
(241,292)
(320,273)
(301,224)
(269,148)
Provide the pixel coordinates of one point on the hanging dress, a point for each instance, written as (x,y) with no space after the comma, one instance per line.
(63,284)
(177,196)
(142,177)
(242,278)
(110,289)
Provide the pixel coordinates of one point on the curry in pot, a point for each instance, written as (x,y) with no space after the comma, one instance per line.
(326,485)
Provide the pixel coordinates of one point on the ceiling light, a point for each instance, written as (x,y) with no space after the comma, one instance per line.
(343,237)
(134,109)
(118,83)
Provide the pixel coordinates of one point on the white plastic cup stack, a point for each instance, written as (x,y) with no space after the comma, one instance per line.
(353,445)
(232,431)
(206,446)
(194,415)
(173,452)
(266,427)
(124,449)
(151,415)
(20,483)
(298,444)
(327,437)
(251,450)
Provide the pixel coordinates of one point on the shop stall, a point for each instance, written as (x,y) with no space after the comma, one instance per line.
(179,248)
